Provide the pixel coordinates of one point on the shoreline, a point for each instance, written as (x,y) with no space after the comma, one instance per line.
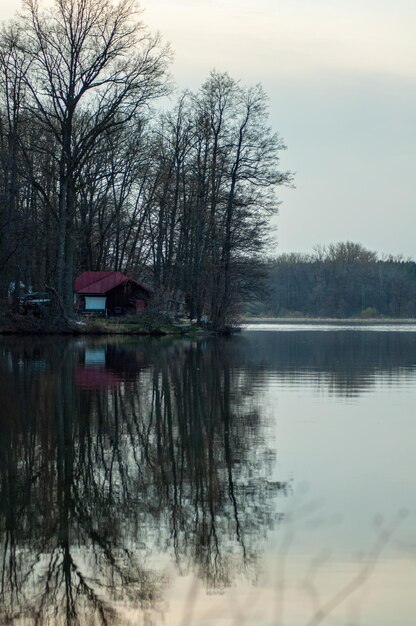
(330,321)
(25,326)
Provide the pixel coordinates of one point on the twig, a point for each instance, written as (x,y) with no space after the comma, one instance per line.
(361,577)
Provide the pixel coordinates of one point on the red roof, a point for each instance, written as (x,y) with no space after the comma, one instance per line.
(99,283)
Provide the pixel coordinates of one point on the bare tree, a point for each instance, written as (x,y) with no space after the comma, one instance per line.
(14,65)
(220,164)
(94,64)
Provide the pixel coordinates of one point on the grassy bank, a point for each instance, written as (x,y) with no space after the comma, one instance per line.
(29,325)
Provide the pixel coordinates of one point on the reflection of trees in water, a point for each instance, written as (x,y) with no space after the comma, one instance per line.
(95,483)
(345,363)
(63,553)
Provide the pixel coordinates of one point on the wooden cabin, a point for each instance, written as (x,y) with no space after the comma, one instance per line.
(110,293)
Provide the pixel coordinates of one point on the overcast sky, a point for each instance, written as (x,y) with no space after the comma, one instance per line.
(341,77)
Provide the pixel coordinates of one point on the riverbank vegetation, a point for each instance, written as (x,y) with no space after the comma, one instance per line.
(92,177)
(17,324)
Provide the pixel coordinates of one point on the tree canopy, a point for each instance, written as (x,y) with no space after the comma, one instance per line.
(100,180)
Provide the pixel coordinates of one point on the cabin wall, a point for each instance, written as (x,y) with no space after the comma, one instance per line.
(126,299)
(123,299)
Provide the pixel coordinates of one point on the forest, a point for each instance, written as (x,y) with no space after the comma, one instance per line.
(340,280)
(104,166)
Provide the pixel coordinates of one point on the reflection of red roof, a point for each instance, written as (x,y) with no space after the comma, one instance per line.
(100,283)
(95,378)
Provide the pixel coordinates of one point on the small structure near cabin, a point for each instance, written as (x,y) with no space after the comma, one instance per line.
(112,293)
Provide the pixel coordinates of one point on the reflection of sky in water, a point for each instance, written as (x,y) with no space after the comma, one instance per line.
(345,442)
(351,466)
(171,422)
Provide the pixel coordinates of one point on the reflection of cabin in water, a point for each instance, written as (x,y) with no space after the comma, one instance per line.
(112,293)
(107,365)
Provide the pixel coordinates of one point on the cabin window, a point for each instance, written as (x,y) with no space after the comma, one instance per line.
(95,303)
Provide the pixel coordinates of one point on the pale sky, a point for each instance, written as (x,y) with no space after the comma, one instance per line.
(341,77)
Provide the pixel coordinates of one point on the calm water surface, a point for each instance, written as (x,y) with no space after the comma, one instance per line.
(264,480)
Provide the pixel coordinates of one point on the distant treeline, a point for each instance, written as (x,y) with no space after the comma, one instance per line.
(340,280)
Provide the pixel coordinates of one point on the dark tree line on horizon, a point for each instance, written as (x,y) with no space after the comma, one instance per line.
(340,280)
(93,178)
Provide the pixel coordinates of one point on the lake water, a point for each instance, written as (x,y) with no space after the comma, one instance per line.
(267,479)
